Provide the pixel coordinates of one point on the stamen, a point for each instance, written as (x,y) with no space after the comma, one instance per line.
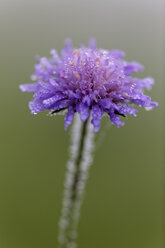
(82,63)
(125,94)
(97,61)
(71,63)
(94,97)
(77,52)
(77,75)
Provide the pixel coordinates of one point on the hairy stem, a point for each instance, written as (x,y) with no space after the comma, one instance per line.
(78,162)
(77,172)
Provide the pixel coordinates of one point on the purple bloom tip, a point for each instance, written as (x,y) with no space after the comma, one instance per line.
(88,80)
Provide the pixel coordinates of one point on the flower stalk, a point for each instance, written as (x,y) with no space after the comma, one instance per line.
(77,173)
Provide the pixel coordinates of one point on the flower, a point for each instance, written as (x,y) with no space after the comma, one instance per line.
(88,80)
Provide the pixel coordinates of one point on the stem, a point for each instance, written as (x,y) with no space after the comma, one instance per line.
(77,171)
(78,161)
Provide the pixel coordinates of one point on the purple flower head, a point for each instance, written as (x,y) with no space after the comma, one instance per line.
(88,80)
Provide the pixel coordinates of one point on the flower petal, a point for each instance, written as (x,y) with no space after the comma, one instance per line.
(48,102)
(115,119)
(83,110)
(144,83)
(117,54)
(152,105)
(92,43)
(36,106)
(68,48)
(132,67)
(69,117)
(125,110)
(97,113)
(60,105)
(105,103)
(29,87)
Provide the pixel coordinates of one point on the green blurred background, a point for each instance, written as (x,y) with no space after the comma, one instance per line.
(123,204)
